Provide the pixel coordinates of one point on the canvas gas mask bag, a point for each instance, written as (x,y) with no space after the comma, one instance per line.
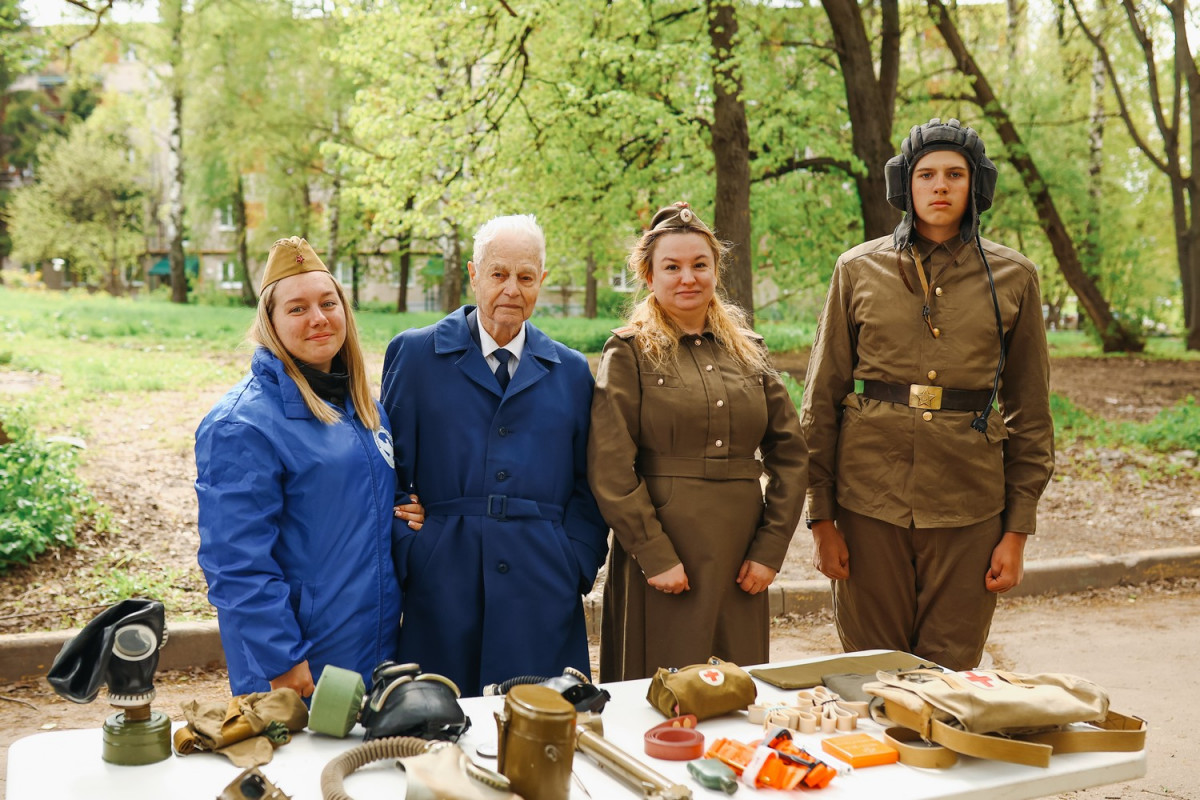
(1006,716)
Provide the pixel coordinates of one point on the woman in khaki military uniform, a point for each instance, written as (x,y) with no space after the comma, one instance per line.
(920,500)
(685,399)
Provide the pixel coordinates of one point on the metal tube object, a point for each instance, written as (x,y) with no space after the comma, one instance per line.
(606,755)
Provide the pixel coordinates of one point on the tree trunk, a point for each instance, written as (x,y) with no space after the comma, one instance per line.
(335,218)
(451,270)
(1189,271)
(404,255)
(249,293)
(1189,260)
(590,287)
(1114,335)
(1089,249)
(116,283)
(305,209)
(405,251)
(871,103)
(731,153)
(172,16)
(354,281)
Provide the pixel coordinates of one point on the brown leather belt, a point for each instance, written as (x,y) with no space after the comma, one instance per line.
(915,395)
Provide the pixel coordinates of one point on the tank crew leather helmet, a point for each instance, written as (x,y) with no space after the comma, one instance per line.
(923,139)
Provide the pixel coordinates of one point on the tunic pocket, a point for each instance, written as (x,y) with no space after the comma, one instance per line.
(660,488)
(997,431)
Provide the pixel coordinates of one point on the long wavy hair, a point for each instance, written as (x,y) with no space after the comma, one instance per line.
(657,334)
(262,333)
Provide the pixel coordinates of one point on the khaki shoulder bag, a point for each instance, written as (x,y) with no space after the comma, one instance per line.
(1006,716)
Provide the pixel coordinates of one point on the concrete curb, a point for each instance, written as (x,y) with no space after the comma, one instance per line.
(198,644)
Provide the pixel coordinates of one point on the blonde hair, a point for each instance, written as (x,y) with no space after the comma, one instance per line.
(262,333)
(657,334)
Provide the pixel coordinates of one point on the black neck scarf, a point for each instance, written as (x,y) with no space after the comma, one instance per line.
(331,386)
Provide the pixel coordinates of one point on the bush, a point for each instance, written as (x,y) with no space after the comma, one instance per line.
(41,498)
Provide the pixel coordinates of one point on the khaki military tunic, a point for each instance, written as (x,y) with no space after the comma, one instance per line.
(914,466)
(672,463)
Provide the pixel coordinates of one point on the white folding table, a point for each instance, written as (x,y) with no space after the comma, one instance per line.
(66,764)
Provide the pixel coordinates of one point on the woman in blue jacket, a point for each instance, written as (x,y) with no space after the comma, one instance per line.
(296,482)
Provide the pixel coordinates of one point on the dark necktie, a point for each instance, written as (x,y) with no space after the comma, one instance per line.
(502,375)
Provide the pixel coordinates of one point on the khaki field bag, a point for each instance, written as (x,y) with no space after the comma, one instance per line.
(1006,716)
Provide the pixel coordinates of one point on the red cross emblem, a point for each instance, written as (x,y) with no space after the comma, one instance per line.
(986,681)
(713,677)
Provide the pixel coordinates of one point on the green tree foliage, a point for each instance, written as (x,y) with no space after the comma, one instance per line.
(592,114)
(87,207)
(1155,98)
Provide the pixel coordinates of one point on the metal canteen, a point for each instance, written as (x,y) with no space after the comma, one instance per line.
(536,742)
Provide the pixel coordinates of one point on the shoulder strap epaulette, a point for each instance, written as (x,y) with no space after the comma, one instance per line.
(624,332)
(753,336)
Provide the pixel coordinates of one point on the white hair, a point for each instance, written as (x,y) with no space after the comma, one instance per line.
(515,223)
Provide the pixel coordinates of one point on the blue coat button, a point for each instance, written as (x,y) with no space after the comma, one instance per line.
(502,567)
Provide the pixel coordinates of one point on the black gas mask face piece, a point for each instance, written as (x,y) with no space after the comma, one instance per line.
(573,685)
(119,648)
(404,701)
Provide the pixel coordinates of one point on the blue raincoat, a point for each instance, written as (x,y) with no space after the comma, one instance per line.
(512,537)
(295,532)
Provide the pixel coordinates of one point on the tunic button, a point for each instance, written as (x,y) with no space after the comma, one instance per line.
(937,332)
(708,368)
(660,381)
(503,431)
(927,416)
(938,291)
(719,443)
(502,568)
(697,343)
(720,403)
(501,475)
(932,374)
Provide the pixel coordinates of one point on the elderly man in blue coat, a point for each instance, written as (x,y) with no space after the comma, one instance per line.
(490,418)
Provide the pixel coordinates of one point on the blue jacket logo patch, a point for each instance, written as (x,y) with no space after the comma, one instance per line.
(383,440)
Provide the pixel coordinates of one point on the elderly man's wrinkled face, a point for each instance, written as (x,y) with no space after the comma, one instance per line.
(506,284)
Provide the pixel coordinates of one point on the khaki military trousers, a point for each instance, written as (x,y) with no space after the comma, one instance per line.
(919,590)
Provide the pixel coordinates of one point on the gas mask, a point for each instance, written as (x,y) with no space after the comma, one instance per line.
(119,648)
(573,685)
(407,702)
(403,701)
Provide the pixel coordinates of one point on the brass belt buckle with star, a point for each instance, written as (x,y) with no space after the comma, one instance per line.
(929,397)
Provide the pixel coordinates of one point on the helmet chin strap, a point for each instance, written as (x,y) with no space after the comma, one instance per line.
(980,423)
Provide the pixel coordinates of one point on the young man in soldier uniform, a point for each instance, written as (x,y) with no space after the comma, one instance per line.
(920,498)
